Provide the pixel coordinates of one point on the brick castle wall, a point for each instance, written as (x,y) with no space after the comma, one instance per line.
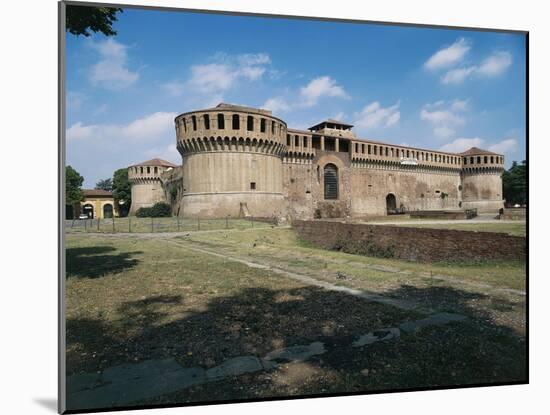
(412,244)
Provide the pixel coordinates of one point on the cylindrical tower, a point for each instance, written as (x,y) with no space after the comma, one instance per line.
(231,161)
(146,184)
(482,180)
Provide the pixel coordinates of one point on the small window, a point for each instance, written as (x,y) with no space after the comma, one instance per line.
(221,122)
(141,170)
(194,119)
(236,124)
(478,160)
(250,123)
(252,185)
(272,127)
(288,139)
(485,159)
(471,160)
(331,182)
(296,141)
(207,121)
(184,124)
(148,170)
(156,170)
(262,125)
(492,159)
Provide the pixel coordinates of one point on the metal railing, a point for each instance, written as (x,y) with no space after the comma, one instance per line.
(134,224)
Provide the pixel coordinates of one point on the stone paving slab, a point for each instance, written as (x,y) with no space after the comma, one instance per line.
(296,353)
(376,336)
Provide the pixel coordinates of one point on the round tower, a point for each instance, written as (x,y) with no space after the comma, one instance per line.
(231,162)
(145,179)
(482,180)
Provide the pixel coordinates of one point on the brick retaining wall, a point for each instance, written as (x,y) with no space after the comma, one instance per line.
(409,243)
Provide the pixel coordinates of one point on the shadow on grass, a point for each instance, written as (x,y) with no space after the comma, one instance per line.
(97,261)
(255,321)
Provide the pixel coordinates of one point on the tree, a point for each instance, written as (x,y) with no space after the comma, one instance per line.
(73,184)
(80,20)
(122,191)
(514,183)
(105,184)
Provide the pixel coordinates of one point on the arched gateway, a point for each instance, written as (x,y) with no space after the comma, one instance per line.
(391,204)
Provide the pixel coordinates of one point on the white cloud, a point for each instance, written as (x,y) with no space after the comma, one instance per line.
(456,76)
(459,105)
(79,131)
(504,146)
(374,115)
(443,131)
(226,71)
(323,86)
(169,153)
(112,69)
(444,116)
(174,88)
(340,116)
(448,56)
(462,144)
(276,104)
(495,64)
(459,145)
(149,128)
(439,117)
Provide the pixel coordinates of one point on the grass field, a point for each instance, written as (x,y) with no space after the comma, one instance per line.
(131,299)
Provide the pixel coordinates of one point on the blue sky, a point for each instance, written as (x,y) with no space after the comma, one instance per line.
(430,88)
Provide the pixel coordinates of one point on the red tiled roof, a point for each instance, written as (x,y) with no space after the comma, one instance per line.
(474,151)
(155,162)
(96,193)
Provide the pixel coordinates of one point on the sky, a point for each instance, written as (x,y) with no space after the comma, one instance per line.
(431,88)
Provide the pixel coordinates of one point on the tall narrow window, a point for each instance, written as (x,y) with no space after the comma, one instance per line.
(272,127)
(236,122)
(148,170)
(296,141)
(331,181)
(478,160)
(184,124)
(156,170)
(194,119)
(221,122)
(250,123)
(262,125)
(207,121)
(288,139)
(485,159)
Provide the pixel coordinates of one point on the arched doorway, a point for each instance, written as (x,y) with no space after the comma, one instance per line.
(88,209)
(108,211)
(331,181)
(391,204)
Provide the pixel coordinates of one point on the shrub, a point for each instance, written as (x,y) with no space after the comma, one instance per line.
(158,210)
(161,210)
(144,212)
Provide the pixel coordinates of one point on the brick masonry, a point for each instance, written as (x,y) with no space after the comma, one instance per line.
(409,243)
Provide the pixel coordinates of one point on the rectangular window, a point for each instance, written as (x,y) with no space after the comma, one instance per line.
(262,125)
(252,185)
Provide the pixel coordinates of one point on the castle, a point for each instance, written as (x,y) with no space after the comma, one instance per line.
(239,161)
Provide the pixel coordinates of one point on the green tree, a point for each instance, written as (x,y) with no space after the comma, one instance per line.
(80,20)
(122,191)
(514,183)
(105,184)
(73,189)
